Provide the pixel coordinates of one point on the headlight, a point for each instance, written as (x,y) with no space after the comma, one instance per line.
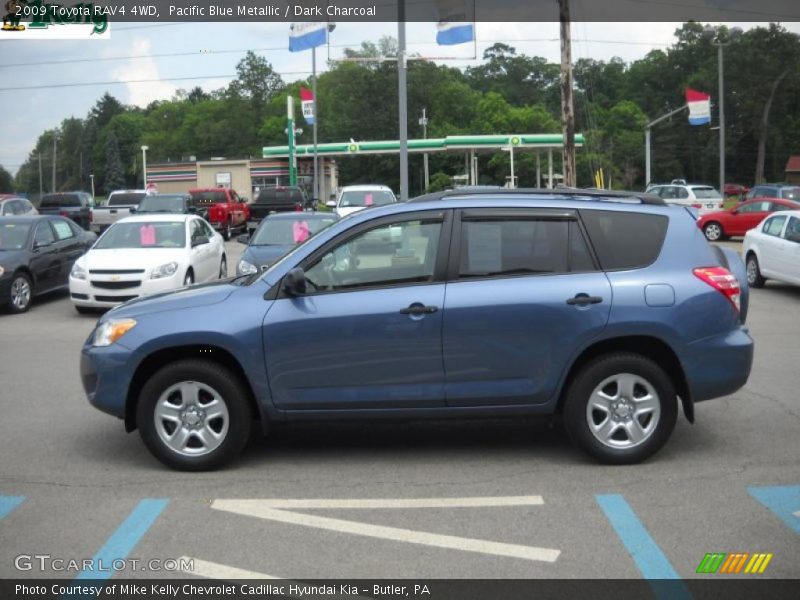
(167,270)
(78,272)
(246,268)
(110,331)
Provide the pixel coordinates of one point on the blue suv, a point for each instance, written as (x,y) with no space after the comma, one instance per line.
(607,309)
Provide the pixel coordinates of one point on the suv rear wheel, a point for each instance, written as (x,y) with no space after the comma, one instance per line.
(620,408)
(193,415)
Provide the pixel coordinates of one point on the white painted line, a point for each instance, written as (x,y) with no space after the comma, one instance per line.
(292,504)
(254,508)
(212,570)
(285,587)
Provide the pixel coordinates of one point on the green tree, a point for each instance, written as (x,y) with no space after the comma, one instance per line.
(6,181)
(113,177)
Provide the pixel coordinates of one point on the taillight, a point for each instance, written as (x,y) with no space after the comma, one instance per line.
(63,213)
(723,281)
(696,205)
(298,208)
(91,216)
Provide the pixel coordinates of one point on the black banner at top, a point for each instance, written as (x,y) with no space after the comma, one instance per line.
(63,11)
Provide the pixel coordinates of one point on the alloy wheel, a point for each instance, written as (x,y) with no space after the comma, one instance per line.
(191,418)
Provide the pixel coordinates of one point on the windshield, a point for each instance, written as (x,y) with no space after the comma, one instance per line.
(363,198)
(14,236)
(211,197)
(706,192)
(791,193)
(143,234)
(126,199)
(162,204)
(287,232)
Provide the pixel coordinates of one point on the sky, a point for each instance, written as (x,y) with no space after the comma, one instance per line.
(210,52)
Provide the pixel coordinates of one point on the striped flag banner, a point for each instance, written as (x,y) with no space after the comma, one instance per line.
(307,103)
(304,36)
(454,26)
(699,104)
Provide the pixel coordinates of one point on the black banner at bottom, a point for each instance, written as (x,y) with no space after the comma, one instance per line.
(434,589)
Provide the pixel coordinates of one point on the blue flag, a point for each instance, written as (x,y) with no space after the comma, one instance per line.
(304,36)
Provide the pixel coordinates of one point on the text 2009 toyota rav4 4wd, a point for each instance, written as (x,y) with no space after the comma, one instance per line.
(608,309)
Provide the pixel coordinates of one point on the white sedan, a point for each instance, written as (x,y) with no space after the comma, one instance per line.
(146,254)
(772,250)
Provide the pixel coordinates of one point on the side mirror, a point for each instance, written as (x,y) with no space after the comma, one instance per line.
(294,283)
(243,239)
(37,245)
(132,209)
(330,204)
(199,241)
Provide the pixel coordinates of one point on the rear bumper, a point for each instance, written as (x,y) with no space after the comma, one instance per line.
(719,365)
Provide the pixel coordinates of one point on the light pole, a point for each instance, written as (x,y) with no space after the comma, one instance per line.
(91,179)
(510,150)
(144,164)
(424,122)
(719,37)
(55,139)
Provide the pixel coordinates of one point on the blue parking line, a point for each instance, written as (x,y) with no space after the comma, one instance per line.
(124,539)
(9,503)
(783,500)
(649,559)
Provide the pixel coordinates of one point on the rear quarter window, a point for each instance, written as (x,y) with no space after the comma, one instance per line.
(625,240)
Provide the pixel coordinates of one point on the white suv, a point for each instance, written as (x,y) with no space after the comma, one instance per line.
(704,198)
(353,198)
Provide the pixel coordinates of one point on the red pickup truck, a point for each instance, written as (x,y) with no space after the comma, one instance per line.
(226,211)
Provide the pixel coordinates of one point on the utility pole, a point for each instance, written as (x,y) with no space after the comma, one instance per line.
(290,134)
(424,122)
(317,185)
(402,98)
(54,163)
(41,187)
(567,105)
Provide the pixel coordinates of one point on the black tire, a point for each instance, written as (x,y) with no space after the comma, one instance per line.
(18,302)
(232,393)
(593,374)
(223,268)
(188,278)
(754,277)
(714,231)
(227,232)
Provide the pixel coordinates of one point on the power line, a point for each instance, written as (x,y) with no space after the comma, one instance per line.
(284,48)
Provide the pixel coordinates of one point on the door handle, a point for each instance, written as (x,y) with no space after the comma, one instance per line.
(584,300)
(418,309)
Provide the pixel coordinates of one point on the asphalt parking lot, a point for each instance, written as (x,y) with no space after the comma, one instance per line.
(498,499)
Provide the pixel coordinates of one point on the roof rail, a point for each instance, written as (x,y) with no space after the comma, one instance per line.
(573,193)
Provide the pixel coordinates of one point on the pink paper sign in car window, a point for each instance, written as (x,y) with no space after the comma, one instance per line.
(147,235)
(368,200)
(300,231)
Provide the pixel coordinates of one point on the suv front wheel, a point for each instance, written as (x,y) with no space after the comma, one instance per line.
(620,408)
(193,415)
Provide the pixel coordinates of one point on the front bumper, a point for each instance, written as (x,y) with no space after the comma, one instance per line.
(105,377)
(718,365)
(84,292)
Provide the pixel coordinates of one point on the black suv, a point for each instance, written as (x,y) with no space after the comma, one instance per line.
(73,205)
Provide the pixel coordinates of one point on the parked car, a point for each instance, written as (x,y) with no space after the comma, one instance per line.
(144,254)
(276,199)
(13,206)
(784,191)
(604,307)
(736,191)
(120,204)
(36,255)
(741,218)
(353,198)
(172,203)
(704,198)
(772,250)
(73,205)
(276,235)
(227,212)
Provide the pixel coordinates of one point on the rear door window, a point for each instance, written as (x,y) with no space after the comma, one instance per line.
(126,199)
(625,240)
(774,226)
(62,229)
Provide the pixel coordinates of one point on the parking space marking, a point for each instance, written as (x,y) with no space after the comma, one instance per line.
(9,503)
(649,559)
(125,538)
(265,509)
(783,500)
